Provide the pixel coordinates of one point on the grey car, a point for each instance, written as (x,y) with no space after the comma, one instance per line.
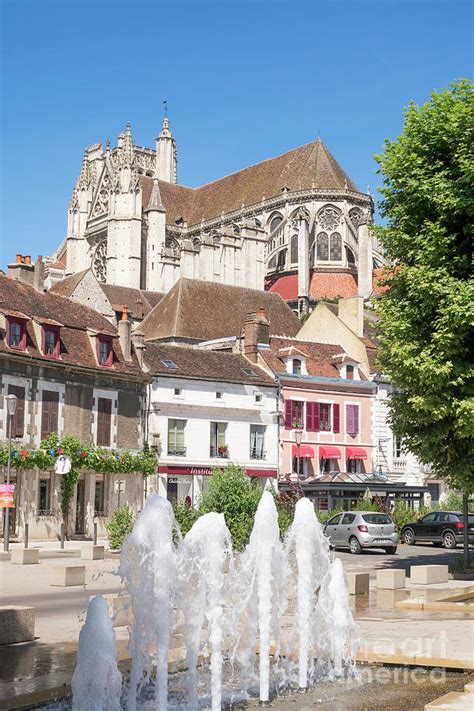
(357,530)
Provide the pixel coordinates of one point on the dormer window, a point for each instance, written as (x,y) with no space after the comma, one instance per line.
(350,372)
(51,342)
(16,334)
(296,366)
(104,351)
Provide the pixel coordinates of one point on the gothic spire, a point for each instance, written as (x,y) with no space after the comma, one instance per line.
(166,153)
(85,177)
(155,198)
(127,146)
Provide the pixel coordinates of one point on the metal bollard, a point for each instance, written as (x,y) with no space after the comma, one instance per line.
(62,536)
(27,531)
(95,533)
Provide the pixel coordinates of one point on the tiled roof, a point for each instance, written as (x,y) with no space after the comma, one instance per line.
(324,284)
(66,286)
(320,357)
(203,364)
(202,311)
(76,348)
(306,167)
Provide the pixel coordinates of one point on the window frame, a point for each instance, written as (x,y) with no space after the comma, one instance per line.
(44,510)
(215,436)
(105,340)
(172,447)
(297,424)
(257,428)
(22,325)
(102,443)
(56,347)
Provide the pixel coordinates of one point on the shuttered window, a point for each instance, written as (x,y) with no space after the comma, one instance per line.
(336,418)
(176,437)
(312,416)
(18,423)
(352,419)
(257,442)
(104,421)
(288,406)
(49,413)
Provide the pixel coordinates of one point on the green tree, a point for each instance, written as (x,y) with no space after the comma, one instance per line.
(426,315)
(119,526)
(234,494)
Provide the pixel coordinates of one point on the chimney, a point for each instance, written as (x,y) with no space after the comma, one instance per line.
(22,270)
(139,311)
(138,339)
(351,312)
(124,330)
(38,274)
(256,330)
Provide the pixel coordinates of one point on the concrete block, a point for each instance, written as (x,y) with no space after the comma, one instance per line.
(65,576)
(428,574)
(388,599)
(25,556)
(358,583)
(17,624)
(391,579)
(120,610)
(91,552)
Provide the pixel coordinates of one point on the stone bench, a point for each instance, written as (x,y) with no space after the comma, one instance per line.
(25,556)
(390,579)
(120,610)
(65,576)
(91,552)
(17,624)
(428,574)
(358,583)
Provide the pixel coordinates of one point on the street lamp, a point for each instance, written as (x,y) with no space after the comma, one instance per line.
(298,436)
(11,407)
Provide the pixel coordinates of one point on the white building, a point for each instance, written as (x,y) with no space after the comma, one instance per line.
(208,409)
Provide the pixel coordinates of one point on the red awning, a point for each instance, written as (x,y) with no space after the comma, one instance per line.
(305,451)
(272,473)
(355,453)
(329,452)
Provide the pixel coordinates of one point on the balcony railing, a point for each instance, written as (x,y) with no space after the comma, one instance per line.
(257,454)
(176,451)
(399,464)
(220,452)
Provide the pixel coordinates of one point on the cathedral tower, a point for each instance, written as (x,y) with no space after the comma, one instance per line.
(166,161)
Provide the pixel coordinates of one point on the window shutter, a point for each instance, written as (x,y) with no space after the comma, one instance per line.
(309,416)
(288,409)
(221,434)
(336,418)
(316,416)
(18,424)
(49,413)
(352,419)
(180,435)
(356,419)
(104,419)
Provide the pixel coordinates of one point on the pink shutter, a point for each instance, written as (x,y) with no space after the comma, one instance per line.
(336,418)
(349,419)
(316,416)
(288,408)
(356,419)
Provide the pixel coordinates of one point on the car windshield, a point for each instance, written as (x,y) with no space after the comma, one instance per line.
(377,518)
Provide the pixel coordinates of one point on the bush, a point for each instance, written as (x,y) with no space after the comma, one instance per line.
(234,494)
(452,501)
(324,516)
(119,526)
(366,505)
(402,514)
(185,515)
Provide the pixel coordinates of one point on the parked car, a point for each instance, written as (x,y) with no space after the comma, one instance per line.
(442,528)
(357,530)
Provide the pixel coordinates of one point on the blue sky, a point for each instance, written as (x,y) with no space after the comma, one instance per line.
(244,80)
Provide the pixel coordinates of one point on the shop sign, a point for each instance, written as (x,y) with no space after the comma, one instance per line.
(7,492)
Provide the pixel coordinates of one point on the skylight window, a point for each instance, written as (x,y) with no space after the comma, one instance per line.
(249,371)
(168,363)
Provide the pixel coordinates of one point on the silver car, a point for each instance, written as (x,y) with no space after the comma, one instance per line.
(357,530)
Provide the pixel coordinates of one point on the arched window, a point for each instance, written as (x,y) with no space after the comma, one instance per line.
(335,254)
(350,256)
(355,214)
(296,366)
(273,262)
(275,221)
(294,249)
(322,247)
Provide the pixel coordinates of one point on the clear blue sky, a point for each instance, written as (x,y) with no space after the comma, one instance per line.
(244,81)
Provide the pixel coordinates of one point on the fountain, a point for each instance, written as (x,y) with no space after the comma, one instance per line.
(283,603)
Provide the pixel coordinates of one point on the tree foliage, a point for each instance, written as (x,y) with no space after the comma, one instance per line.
(426,314)
(119,526)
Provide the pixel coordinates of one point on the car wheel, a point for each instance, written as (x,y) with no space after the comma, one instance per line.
(449,540)
(354,546)
(391,550)
(409,536)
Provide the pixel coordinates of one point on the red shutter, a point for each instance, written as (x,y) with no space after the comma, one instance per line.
(316,417)
(18,424)
(356,419)
(310,416)
(104,420)
(288,409)
(336,418)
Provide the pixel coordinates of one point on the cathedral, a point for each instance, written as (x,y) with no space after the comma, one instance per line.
(296,224)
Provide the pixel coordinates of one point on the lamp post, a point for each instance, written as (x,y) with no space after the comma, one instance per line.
(298,436)
(11,407)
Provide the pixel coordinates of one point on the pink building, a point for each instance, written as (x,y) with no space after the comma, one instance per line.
(328,407)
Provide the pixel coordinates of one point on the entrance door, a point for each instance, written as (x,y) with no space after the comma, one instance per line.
(80,518)
(172,490)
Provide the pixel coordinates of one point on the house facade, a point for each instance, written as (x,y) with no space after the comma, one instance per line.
(72,373)
(209,409)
